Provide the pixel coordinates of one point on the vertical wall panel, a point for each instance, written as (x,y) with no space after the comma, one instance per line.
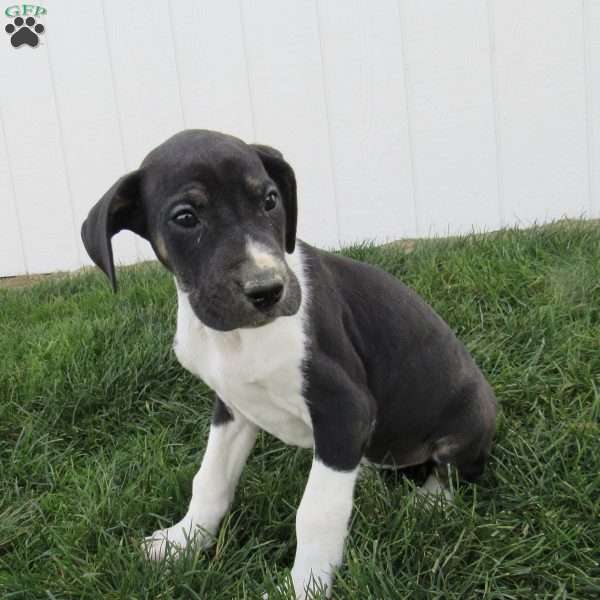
(81,72)
(541,107)
(212,66)
(592,42)
(286,81)
(400,117)
(366,100)
(142,55)
(448,77)
(32,132)
(12,259)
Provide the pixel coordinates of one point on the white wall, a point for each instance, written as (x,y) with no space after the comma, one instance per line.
(402,118)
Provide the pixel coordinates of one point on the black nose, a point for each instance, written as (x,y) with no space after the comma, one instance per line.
(264,294)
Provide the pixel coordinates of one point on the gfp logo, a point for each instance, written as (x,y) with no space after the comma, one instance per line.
(24,29)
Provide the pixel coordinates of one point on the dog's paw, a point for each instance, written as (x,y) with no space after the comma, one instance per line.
(173,540)
(159,545)
(432,493)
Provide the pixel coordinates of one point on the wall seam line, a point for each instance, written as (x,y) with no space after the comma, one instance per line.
(14,194)
(175,54)
(409,121)
(589,121)
(496,113)
(114,89)
(329,132)
(124,157)
(247,67)
(61,144)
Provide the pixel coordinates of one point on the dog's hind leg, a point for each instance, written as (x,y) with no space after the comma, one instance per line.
(466,451)
(467,455)
(436,485)
(466,442)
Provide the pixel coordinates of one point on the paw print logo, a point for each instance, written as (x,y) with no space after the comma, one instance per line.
(24,32)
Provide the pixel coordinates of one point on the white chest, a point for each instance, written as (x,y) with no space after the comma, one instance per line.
(257,372)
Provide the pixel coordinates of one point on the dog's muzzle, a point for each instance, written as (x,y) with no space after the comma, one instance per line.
(264,294)
(264,288)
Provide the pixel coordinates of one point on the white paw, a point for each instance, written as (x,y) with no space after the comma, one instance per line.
(171,541)
(432,492)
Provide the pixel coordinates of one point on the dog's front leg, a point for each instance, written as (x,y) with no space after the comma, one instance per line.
(321,527)
(230,441)
(342,424)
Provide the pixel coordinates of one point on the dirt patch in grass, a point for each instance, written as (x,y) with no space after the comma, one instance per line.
(21,281)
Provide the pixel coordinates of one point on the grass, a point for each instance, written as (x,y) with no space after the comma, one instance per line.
(101,432)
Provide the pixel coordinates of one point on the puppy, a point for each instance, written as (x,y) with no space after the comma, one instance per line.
(321,351)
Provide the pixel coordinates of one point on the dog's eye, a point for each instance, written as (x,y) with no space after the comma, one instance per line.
(270,201)
(185,218)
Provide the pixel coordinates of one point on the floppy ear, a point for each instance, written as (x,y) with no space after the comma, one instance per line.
(283,175)
(120,208)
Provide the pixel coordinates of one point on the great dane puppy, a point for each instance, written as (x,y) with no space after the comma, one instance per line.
(321,351)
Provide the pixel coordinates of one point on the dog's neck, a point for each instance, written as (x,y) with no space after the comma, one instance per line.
(258,372)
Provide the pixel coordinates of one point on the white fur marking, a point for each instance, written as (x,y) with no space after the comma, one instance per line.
(262,257)
(321,526)
(257,372)
(229,445)
(433,490)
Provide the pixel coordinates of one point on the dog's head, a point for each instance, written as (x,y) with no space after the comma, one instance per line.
(220,215)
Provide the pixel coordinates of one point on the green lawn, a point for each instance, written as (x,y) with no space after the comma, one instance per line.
(101,432)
